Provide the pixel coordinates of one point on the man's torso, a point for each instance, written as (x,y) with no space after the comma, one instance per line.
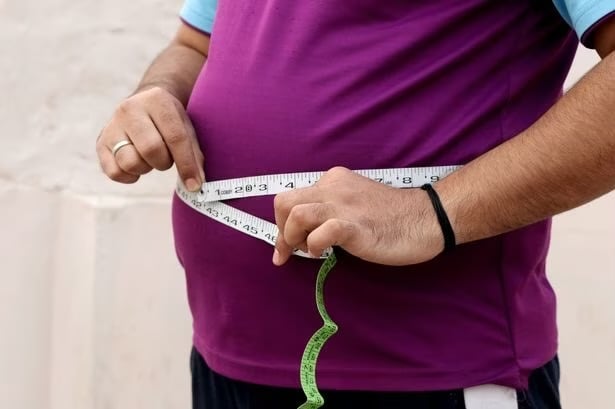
(307,85)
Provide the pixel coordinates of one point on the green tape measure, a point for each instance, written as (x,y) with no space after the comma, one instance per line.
(317,341)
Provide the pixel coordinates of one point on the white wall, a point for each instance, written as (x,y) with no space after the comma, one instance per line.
(92,306)
(93,311)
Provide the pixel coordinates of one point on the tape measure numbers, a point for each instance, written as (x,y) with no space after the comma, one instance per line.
(208,202)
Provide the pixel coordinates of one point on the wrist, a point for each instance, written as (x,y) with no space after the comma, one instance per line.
(421,224)
(443,221)
(167,86)
(452,203)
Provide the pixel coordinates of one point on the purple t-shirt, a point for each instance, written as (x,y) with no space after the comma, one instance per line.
(294,86)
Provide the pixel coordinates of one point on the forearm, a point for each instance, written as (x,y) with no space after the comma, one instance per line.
(177,67)
(153,120)
(564,160)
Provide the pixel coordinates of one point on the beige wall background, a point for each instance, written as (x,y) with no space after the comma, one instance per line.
(92,306)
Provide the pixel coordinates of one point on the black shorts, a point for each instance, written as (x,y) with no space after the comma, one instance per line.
(213,391)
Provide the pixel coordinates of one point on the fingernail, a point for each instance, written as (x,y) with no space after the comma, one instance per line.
(276,257)
(192,185)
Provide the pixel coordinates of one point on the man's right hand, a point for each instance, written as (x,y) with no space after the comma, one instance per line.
(153,124)
(160,132)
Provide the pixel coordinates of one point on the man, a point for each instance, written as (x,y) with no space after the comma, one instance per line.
(291,86)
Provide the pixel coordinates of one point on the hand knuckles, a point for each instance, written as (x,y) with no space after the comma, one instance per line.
(335,226)
(151,149)
(100,144)
(299,214)
(164,165)
(132,165)
(338,171)
(282,245)
(349,229)
(128,179)
(157,93)
(141,168)
(169,102)
(126,107)
(170,106)
(342,229)
(106,133)
(175,136)
(315,244)
(115,174)
(167,111)
(280,202)
(293,240)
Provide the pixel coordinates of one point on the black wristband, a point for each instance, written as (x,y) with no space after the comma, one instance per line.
(445,224)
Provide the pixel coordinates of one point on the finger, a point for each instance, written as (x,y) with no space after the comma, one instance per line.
(303,219)
(333,232)
(168,119)
(282,251)
(198,154)
(283,203)
(111,168)
(129,160)
(149,143)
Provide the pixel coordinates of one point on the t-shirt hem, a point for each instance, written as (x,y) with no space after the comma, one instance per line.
(352,380)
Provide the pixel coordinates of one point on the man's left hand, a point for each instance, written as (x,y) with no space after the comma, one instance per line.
(372,221)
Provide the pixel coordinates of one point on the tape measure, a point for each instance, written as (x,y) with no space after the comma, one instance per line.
(209,203)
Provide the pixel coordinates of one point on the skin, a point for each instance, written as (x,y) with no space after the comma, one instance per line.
(567,158)
(154,117)
(564,160)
